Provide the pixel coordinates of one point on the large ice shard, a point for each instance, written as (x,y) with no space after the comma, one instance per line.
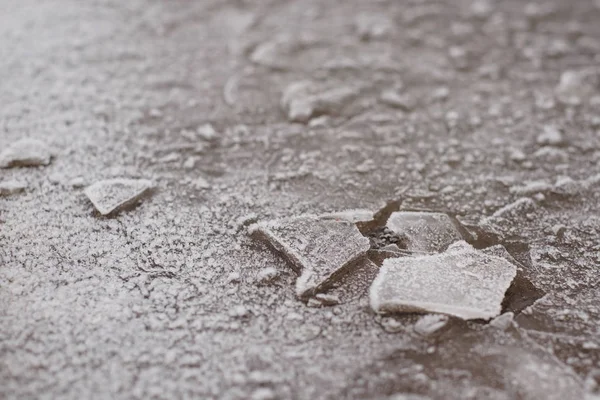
(319,249)
(462,281)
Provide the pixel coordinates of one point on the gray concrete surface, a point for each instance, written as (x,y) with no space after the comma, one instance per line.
(455,106)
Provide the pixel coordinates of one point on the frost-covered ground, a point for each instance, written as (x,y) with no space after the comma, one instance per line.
(246,111)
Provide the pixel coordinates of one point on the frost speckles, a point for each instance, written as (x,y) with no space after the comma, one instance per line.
(550,136)
(112,195)
(304,100)
(426,232)
(317,248)
(373,26)
(462,282)
(26,152)
(576,87)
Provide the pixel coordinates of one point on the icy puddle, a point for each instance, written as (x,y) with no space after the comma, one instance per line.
(462,282)
(318,248)
(112,195)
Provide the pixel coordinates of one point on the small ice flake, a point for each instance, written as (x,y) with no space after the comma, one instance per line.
(111,195)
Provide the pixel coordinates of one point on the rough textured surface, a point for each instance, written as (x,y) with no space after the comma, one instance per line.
(163,301)
(462,282)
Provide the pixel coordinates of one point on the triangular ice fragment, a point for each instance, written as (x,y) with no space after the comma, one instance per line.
(112,195)
(319,249)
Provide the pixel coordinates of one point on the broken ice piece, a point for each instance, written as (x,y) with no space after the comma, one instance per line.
(113,194)
(207,132)
(11,187)
(26,152)
(373,26)
(278,53)
(576,86)
(304,100)
(319,249)
(503,321)
(430,323)
(461,282)
(394,99)
(426,231)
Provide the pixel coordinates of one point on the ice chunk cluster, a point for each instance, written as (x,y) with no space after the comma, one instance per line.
(461,282)
(441,273)
(318,248)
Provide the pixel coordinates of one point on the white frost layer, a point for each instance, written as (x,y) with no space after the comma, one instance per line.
(426,232)
(112,194)
(462,282)
(317,247)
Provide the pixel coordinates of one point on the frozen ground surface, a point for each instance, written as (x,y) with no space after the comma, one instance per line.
(482,109)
